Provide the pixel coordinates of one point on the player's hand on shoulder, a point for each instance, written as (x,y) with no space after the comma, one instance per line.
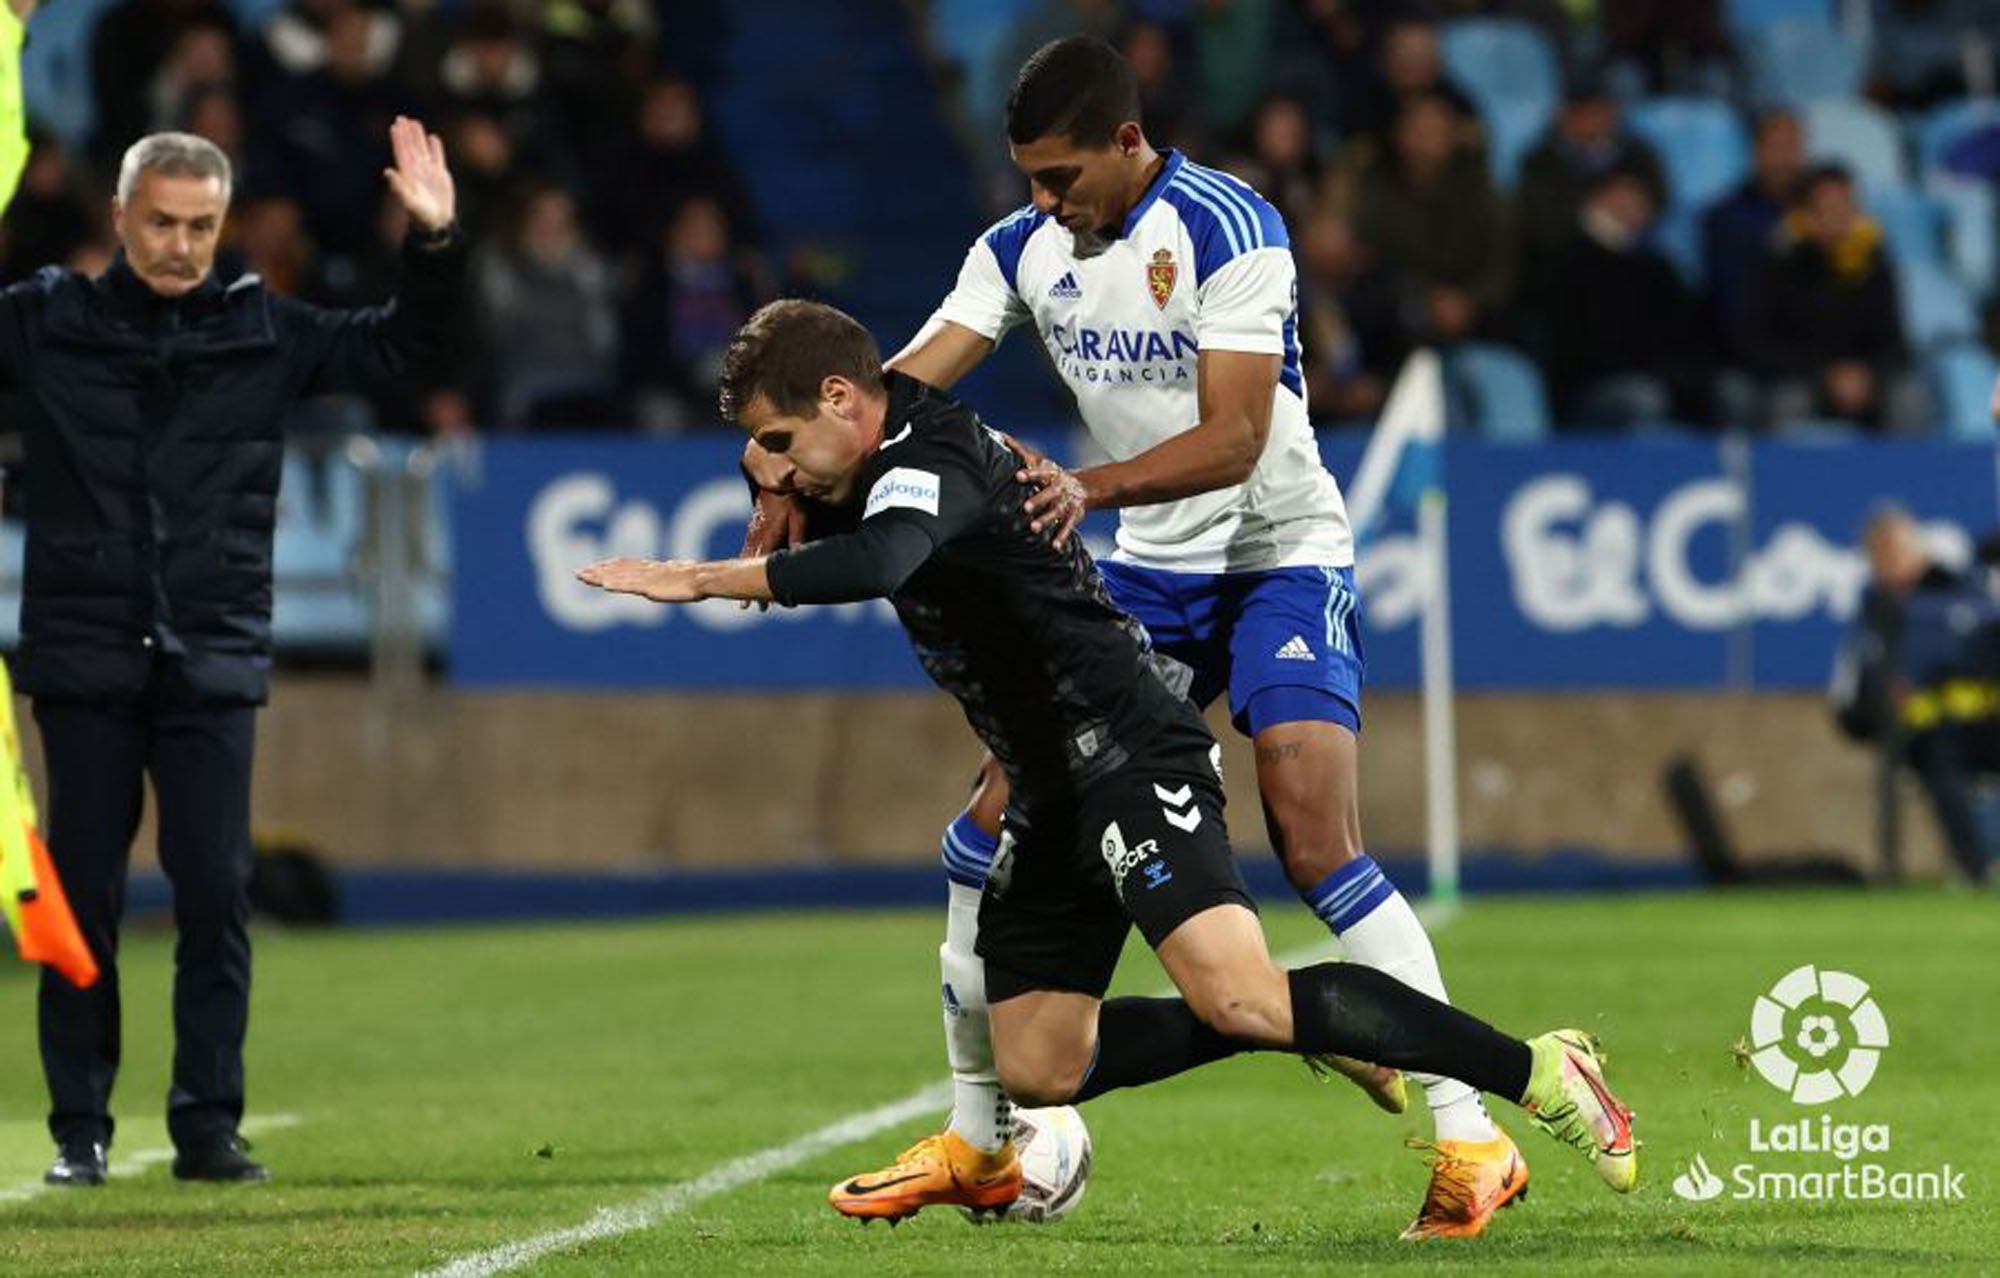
(661,580)
(1057,505)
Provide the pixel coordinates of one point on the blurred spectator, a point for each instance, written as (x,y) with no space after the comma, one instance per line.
(544,306)
(1232,50)
(1622,334)
(1666,46)
(271,239)
(596,54)
(298,39)
(1586,142)
(695,293)
(1168,103)
(675,162)
(1737,231)
(1438,229)
(1927,51)
(484,167)
(492,70)
(1284,163)
(1822,326)
(212,112)
(321,134)
(52,215)
(1340,384)
(1407,67)
(202,60)
(130,45)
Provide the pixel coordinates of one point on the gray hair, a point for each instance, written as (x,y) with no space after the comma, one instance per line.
(176,155)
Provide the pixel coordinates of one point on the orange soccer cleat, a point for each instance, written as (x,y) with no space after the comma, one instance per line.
(1470,1180)
(937,1170)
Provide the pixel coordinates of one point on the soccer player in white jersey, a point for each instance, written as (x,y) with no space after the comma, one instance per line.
(1166,295)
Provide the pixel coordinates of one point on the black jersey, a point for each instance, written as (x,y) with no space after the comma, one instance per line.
(1058,681)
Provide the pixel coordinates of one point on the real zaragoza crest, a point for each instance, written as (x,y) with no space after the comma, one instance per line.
(1160,277)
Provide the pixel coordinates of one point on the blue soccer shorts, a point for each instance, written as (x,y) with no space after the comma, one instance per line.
(1284,642)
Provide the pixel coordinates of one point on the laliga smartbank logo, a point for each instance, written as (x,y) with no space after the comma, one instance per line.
(1818,1036)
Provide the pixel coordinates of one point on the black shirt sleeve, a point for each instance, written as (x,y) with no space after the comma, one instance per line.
(921,494)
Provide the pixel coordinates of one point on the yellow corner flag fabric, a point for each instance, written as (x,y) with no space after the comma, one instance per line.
(31,895)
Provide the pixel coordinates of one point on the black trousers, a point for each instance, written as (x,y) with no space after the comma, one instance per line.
(98,758)
(1948,761)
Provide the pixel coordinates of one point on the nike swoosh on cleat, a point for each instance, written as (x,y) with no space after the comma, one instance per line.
(856,1187)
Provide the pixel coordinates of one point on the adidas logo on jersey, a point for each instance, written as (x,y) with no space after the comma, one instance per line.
(1295,649)
(1066,287)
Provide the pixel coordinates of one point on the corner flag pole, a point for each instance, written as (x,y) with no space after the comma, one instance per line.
(1404,467)
(1440,721)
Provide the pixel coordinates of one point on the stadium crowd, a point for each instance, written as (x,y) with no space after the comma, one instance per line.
(1679,212)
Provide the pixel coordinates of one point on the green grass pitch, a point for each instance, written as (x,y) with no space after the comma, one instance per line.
(458,1089)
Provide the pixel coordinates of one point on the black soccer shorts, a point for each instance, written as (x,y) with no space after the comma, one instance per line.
(1145,845)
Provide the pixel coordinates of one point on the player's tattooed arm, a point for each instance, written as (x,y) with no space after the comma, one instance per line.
(1221,450)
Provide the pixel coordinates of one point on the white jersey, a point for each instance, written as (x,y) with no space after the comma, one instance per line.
(1201,263)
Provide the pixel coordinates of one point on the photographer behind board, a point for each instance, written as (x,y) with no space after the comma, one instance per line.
(1919,674)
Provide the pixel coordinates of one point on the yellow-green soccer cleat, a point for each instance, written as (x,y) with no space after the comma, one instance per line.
(1568,1099)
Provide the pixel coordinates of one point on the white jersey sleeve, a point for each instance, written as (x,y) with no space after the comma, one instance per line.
(986,298)
(1245,304)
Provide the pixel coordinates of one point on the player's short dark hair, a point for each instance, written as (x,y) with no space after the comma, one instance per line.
(787,349)
(1078,88)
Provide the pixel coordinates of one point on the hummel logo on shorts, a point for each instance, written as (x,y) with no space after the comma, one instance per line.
(1295,649)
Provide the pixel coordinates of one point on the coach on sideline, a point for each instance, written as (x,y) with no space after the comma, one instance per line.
(151,401)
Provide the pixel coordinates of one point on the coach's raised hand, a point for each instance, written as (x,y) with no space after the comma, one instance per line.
(420,178)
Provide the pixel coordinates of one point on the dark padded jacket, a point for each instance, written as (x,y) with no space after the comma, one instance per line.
(152,451)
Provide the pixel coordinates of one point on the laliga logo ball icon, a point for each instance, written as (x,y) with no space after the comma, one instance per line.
(1833,1045)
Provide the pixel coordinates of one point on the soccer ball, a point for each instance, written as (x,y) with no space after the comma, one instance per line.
(1054,1147)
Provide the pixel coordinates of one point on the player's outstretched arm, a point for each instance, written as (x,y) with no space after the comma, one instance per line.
(681,580)
(1221,450)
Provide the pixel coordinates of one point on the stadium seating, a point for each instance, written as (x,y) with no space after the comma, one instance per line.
(1935,131)
(1802,62)
(1961,381)
(1972,218)
(1677,234)
(1745,17)
(1936,308)
(1701,143)
(1912,221)
(1860,136)
(1509,71)
(1498,392)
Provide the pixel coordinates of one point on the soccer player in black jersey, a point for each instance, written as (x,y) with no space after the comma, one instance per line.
(1116,815)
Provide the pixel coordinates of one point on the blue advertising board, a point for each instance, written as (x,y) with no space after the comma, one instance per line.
(1670,562)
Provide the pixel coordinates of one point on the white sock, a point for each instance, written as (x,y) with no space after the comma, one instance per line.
(1377,927)
(981,1114)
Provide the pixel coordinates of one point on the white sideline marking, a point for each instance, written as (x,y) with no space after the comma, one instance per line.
(135,1163)
(644,1213)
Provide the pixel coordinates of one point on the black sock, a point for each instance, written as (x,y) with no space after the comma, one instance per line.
(1143,1040)
(1357,1011)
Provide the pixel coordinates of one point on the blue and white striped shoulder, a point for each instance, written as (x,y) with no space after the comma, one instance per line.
(1224,215)
(1010,235)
